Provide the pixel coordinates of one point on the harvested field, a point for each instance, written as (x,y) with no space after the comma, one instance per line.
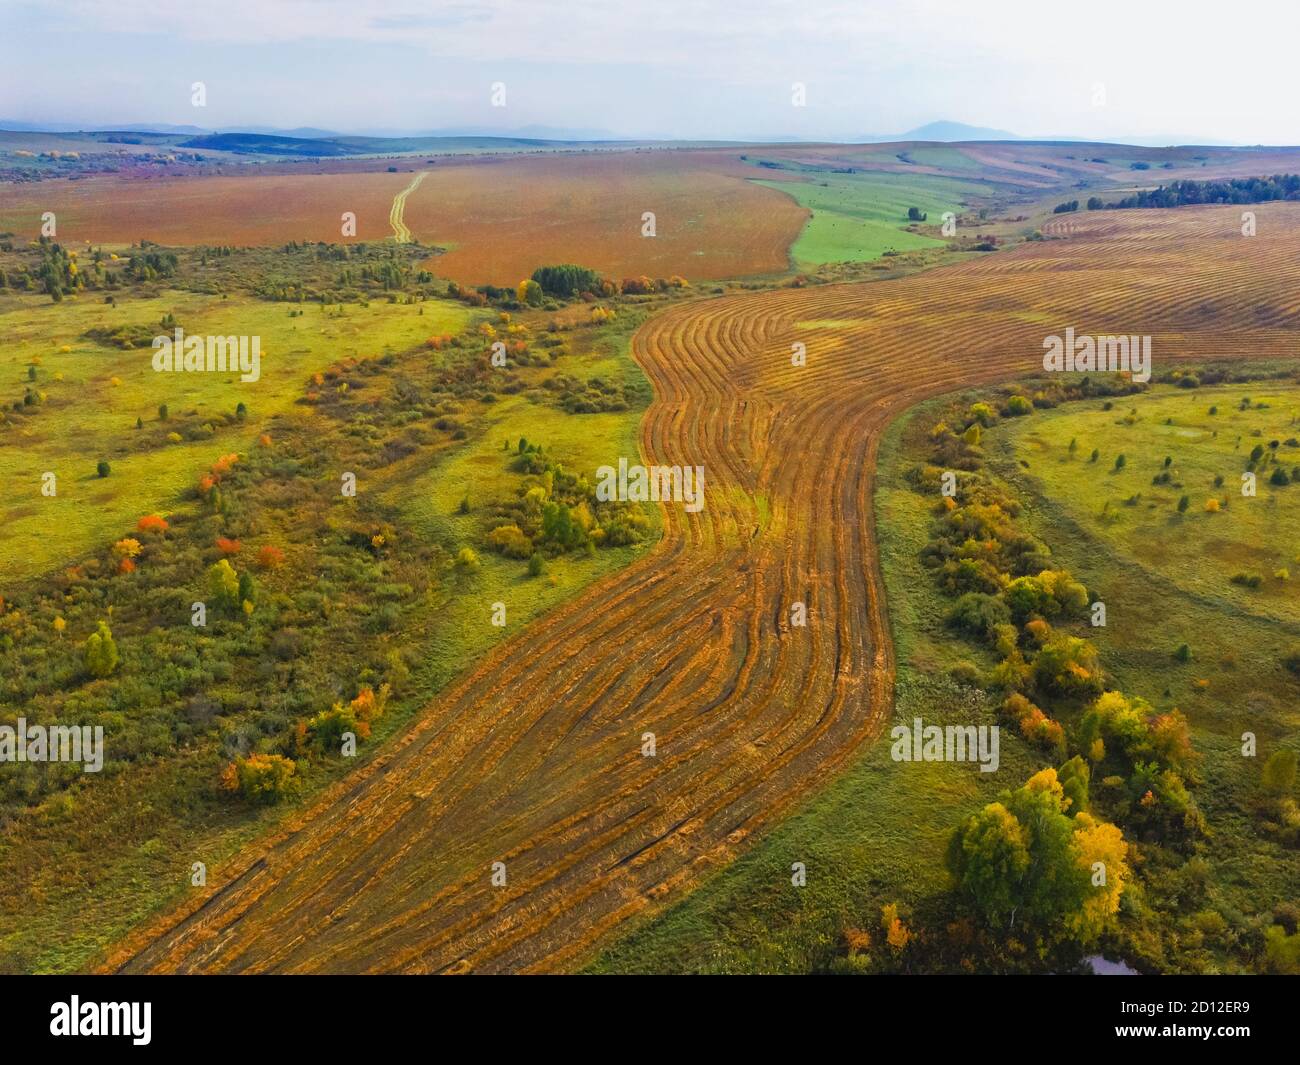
(533,758)
(244,210)
(504,218)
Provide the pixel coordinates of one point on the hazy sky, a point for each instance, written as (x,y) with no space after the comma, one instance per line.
(662,68)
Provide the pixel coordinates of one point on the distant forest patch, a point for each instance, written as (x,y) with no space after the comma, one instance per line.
(1236,190)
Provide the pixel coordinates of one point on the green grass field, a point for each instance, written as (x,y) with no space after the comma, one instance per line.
(1200,551)
(858,217)
(94,394)
(949,158)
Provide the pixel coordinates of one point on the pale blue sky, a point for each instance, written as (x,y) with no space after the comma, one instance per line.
(662,68)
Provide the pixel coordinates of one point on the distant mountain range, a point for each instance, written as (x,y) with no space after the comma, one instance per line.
(542,133)
(325,142)
(947,131)
(959,131)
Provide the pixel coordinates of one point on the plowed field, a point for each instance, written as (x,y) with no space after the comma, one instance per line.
(500,218)
(504,218)
(533,758)
(248,210)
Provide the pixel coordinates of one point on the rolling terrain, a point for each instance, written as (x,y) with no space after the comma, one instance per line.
(533,758)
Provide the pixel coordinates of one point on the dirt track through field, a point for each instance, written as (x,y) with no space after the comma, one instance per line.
(400,232)
(533,757)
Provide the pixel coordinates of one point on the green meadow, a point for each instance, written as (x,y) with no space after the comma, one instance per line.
(478,470)
(948,158)
(858,217)
(1198,549)
(94,393)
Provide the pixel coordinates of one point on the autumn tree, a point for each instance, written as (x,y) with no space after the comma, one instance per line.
(1068,666)
(897,934)
(988,857)
(223,584)
(261,778)
(101,651)
(1100,853)
(1026,860)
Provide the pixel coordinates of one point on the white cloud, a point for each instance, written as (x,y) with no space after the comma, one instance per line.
(870,65)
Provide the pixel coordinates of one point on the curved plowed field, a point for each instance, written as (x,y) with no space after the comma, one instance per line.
(533,757)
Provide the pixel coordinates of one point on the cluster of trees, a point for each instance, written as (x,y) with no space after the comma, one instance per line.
(556,512)
(566,280)
(550,284)
(1234,190)
(1027,861)
(297,272)
(48,268)
(1010,599)
(1262,458)
(1037,865)
(152,265)
(644,286)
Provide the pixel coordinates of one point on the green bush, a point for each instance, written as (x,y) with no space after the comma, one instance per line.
(979,614)
(1292,660)
(101,651)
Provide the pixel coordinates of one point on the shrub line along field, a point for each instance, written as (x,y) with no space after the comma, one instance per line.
(533,758)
